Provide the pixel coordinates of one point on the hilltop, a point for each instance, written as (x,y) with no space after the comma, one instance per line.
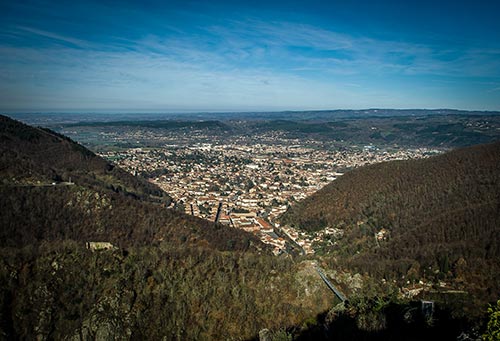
(35,156)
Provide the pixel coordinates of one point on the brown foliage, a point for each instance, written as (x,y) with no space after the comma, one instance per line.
(436,211)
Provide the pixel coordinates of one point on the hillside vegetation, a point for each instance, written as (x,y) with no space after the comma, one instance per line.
(102,203)
(34,156)
(173,276)
(437,219)
(168,275)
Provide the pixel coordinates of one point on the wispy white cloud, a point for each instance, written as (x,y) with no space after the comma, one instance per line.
(360,54)
(162,82)
(54,36)
(246,65)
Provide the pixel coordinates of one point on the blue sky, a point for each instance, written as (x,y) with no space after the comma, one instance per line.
(248,56)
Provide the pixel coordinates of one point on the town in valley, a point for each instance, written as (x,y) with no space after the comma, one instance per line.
(248,185)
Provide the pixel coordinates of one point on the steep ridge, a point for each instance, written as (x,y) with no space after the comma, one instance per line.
(436,219)
(30,155)
(102,202)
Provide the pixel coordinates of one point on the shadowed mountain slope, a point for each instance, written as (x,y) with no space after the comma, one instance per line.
(168,276)
(30,155)
(435,218)
(406,193)
(102,202)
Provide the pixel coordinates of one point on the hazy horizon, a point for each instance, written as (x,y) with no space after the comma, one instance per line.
(202,112)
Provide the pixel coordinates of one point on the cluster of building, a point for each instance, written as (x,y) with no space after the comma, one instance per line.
(245,185)
(308,240)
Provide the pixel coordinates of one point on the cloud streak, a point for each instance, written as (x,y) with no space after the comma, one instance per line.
(54,36)
(246,64)
(359,54)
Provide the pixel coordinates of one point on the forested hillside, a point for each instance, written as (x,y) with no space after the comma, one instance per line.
(172,276)
(63,291)
(102,202)
(34,156)
(436,219)
(168,275)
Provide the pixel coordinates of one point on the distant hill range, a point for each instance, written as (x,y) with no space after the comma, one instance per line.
(53,188)
(436,218)
(342,128)
(305,115)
